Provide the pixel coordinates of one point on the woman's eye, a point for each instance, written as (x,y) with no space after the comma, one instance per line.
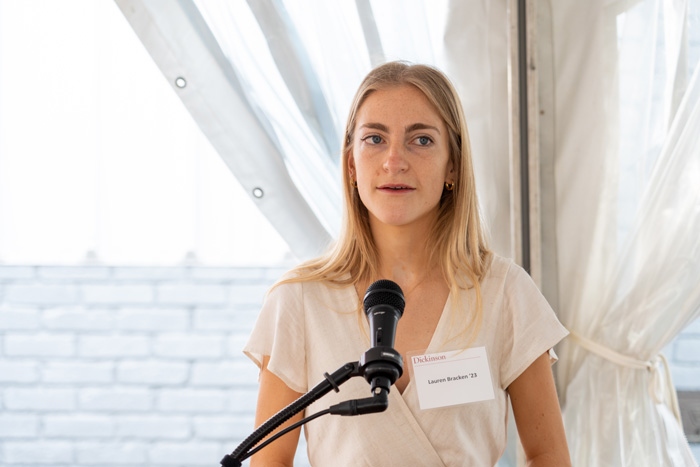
(373,139)
(424,140)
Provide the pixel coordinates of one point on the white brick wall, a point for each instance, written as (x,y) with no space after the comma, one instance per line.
(115,398)
(153,372)
(77,372)
(126,366)
(43,398)
(78,426)
(154,427)
(19,426)
(134,366)
(37,452)
(39,345)
(19,371)
(684,357)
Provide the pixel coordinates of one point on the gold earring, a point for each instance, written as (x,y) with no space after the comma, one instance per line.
(449,186)
(353,183)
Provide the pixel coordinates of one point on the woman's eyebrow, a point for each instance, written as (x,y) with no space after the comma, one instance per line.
(376,126)
(409,128)
(421,126)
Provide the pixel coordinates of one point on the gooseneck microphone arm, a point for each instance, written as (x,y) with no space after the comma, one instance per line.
(330,382)
(381,366)
(379,402)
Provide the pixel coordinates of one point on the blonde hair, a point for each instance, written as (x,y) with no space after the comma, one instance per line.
(457,240)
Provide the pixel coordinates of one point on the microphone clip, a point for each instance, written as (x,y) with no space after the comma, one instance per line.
(381,366)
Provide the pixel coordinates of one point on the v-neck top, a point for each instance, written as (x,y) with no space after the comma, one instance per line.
(309,328)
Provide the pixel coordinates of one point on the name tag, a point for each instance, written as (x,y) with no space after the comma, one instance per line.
(452,378)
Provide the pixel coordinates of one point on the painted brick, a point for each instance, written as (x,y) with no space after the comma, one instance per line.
(188,346)
(223,373)
(17,272)
(153,427)
(40,399)
(18,371)
(113,346)
(248,294)
(193,453)
(191,294)
(18,426)
(239,319)
(152,372)
(272,275)
(695,449)
(118,294)
(149,274)
(116,399)
(191,400)
(668,350)
(78,426)
(235,344)
(688,351)
(18,318)
(73,272)
(686,378)
(114,453)
(77,318)
(39,345)
(147,319)
(300,458)
(227,274)
(79,372)
(693,328)
(37,452)
(243,400)
(118,340)
(224,428)
(41,294)
(216,319)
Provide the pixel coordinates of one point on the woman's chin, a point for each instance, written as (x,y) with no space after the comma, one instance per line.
(398,219)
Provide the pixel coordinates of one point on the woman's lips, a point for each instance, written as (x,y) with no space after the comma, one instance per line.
(392,188)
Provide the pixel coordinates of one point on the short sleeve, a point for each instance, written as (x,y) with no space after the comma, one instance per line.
(530,327)
(279,333)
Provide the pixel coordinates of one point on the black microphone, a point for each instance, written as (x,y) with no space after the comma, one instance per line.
(384,303)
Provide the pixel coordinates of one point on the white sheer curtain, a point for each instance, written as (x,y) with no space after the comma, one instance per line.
(269,82)
(624,303)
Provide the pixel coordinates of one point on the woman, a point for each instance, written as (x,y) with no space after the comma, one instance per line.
(411,216)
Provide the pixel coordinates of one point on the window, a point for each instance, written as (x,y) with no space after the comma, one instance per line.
(99,159)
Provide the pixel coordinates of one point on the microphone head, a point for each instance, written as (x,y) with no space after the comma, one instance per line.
(384,292)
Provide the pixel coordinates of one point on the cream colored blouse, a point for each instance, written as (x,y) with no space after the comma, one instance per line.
(311,328)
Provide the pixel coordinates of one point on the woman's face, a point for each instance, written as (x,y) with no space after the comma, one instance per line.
(400,157)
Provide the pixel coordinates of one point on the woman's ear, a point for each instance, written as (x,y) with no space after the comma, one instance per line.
(351,165)
(450,172)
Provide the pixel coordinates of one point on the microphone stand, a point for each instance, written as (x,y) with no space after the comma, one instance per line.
(381,367)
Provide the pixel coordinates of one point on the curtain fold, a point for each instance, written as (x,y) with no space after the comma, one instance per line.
(283,77)
(273,77)
(295,68)
(652,295)
(182,46)
(370,31)
(633,287)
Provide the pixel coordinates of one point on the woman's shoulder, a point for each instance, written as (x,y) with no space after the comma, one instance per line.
(505,274)
(499,267)
(299,281)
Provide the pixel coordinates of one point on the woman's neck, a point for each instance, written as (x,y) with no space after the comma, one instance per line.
(404,254)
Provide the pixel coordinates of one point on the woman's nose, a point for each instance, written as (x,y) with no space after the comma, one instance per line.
(395,161)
